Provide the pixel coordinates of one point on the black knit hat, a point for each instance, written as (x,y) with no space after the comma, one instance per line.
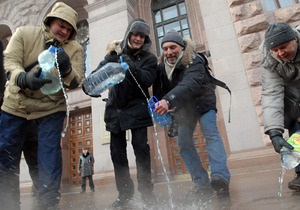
(173,36)
(277,34)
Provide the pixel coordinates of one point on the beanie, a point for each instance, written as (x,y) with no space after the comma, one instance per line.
(277,34)
(173,36)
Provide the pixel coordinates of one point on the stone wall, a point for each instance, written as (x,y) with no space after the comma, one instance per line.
(250,22)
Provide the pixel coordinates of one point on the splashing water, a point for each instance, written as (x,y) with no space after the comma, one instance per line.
(63,133)
(280,180)
(157,145)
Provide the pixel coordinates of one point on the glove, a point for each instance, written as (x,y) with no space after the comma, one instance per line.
(32,81)
(130,63)
(278,141)
(112,57)
(64,64)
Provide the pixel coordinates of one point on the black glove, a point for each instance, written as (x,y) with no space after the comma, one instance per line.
(32,81)
(64,64)
(278,141)
(112,57)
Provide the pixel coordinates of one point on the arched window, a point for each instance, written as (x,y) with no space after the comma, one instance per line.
(169,15)
(270,5)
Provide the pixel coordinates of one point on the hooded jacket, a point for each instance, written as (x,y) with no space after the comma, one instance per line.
(190,90)
(23,50)
(127,106)
(280,90)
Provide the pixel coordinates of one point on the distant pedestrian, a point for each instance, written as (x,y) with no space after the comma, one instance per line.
(85,168)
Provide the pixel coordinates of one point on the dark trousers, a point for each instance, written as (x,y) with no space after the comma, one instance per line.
(91,182)
(30,152)
(12,137)
(118,150)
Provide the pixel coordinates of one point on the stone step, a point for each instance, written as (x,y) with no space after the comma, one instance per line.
(260,159)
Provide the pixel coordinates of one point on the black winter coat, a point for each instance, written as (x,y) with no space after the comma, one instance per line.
(190,89)
(127,106)
(2,74)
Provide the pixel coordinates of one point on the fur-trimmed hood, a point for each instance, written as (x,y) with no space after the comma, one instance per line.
(188,55)
(138,26)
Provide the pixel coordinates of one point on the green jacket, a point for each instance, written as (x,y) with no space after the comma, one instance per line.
(23,49)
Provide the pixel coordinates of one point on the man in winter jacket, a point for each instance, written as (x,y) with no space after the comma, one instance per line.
(184,86)
(23,101)
(85,168)
(126,108)
(281,87)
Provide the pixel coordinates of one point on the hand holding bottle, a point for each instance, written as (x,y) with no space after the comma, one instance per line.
(32,81)
(64,64)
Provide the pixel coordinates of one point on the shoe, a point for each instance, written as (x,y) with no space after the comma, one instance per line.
(92,190)
(122,200)
(219,185)
(295,183)
(149,200)
(82,191)
(199,194)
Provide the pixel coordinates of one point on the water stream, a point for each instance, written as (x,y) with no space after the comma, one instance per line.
(280,180)
(158,147)
(63,133)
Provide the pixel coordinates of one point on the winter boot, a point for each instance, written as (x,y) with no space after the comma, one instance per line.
(220,186)
(122,200)
(295,183)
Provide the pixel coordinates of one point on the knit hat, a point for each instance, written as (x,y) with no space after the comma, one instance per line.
(277,34)
(173,36)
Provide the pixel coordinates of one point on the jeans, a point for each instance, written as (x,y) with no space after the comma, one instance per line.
(12,137)
(141,149)
(214,146)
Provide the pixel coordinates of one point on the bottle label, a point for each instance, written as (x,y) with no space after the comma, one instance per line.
(162,120)
(294,140)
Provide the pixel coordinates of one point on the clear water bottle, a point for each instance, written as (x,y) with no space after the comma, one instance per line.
(291,158)
(46,60)
(107,76)
(162,120)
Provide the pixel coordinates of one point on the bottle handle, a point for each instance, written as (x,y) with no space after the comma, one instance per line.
(151,102)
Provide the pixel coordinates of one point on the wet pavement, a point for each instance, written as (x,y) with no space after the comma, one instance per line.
(254,188)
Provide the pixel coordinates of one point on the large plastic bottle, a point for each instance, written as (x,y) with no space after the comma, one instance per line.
(162,120)
(107,76)
(46,60)
(291,158)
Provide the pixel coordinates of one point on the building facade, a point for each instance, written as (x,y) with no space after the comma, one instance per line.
(229,32)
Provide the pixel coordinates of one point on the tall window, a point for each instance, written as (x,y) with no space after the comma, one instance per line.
(169,15)
(270,5)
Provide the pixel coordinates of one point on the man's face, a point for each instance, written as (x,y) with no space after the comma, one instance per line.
(285,51)
(171,51)
(136,40)
(61,29)
(84,151)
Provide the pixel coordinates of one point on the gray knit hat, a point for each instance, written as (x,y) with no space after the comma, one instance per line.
(173,36)
(277,34)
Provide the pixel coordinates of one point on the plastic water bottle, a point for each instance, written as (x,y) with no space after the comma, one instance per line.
(107,76)
(46,60)
(162,120)
(291,158)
